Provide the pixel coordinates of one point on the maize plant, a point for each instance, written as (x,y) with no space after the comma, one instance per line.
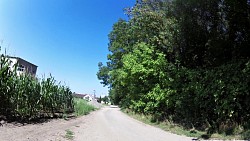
(27,97)
(6,87)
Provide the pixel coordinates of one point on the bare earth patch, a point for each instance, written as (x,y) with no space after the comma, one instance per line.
(53,130)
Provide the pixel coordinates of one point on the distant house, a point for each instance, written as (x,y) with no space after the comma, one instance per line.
(23,66)
(79,95)
(87,97)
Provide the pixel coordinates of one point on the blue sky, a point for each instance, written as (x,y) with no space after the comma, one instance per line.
(66,38)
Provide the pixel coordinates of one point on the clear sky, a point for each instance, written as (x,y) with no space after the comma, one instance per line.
(66,38)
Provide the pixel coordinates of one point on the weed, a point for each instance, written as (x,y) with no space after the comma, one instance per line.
(69,134)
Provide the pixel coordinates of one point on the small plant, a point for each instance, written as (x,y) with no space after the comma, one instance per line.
(69,134)
(65,116)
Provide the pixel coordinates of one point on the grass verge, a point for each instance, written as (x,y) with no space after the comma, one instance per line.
(81,107)
(179,130)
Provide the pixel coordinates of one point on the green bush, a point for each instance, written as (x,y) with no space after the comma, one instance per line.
(82,107)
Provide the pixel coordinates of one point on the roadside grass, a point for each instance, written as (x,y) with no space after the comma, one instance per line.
(166,125)
(69,134)
(81,107)
(179,130)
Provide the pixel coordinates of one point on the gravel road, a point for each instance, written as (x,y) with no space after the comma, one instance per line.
(110,124)
(106,124)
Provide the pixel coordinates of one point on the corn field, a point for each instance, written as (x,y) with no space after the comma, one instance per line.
(27,97)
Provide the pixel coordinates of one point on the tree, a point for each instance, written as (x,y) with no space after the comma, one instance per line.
(105,99)
(183,60)
(100,99)
(103,74)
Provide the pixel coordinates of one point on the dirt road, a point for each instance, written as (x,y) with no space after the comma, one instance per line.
(110,124)
(107,124)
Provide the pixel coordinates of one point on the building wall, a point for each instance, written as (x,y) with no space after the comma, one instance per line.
(88,98)
(13,61)
(28,67)
(23,66)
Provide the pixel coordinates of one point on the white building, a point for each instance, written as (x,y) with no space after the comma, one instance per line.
(23,66)
(87,97)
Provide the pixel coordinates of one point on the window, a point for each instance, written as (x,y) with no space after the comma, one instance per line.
(20,68)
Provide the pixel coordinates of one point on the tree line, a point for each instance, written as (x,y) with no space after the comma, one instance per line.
(184,61)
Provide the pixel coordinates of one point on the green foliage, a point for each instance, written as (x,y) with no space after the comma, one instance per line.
(69,134)
(105,99)
(246,135)
(183,61)
(82,107)
(103,74)
(26,97)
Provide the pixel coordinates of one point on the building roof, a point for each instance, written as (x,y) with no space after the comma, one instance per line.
(79,95)
(83,95)
(18,58)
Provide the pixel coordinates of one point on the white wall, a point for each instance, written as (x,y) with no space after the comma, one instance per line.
(13,61)
(88,97)
(26,65)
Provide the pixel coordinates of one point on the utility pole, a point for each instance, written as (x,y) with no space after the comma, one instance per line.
(94,94)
